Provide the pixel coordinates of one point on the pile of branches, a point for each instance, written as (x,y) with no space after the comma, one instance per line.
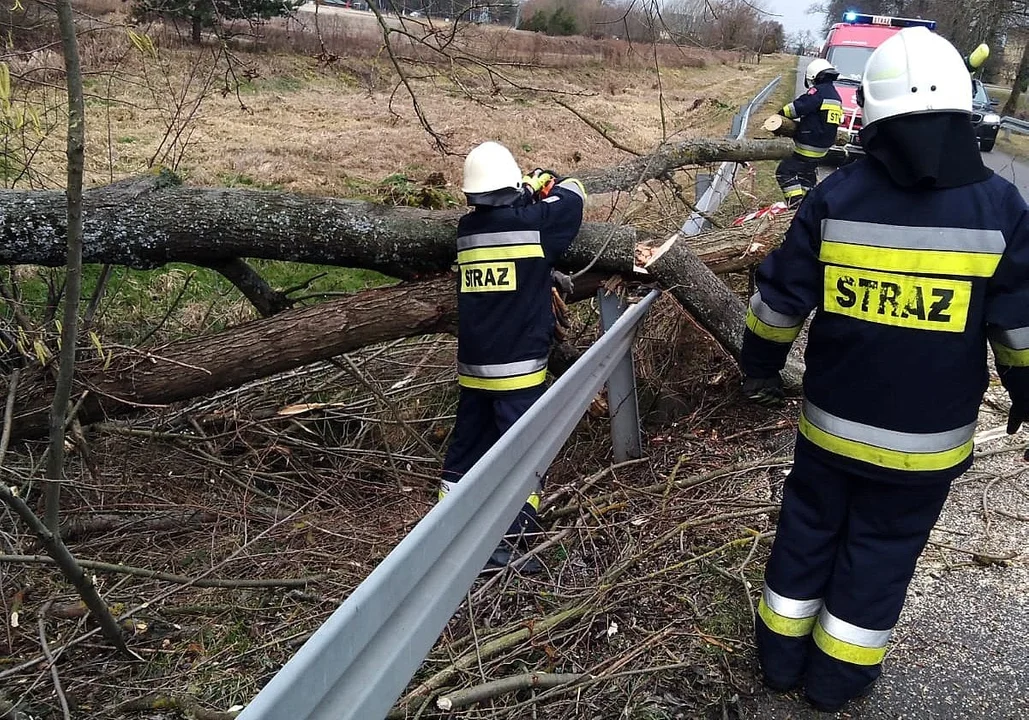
(268,504)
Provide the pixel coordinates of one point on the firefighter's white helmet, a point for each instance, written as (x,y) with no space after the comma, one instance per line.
(817,67)
(915,71)
(489,167)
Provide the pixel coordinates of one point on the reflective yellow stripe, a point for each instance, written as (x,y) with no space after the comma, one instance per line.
(831,105)
(932,262)
(883,457)
(845,651)
(770,332)
(504,252)
(518,382)
(534,501)
(1010,356)
(787,111)
(814,154)
(798,192)
(782,625)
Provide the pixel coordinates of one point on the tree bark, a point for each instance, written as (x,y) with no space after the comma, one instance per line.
(196,24)
(290,339)
(143,227)
(1011,105)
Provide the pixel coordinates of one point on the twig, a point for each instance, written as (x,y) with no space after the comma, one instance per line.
(1014,516)
(980,557)
(168,577)
(598,129)
(50,660)
(9,413)
(496,688)
(185,705)
(70,568)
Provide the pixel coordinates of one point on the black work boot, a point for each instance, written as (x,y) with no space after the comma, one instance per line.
(508,552)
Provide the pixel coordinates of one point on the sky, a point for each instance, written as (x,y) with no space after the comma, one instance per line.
(793,16)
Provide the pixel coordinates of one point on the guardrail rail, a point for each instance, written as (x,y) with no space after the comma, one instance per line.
(356,664)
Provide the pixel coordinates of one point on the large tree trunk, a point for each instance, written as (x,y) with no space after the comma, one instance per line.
(290,339)
(1021,77)
(144,227)
(143,379)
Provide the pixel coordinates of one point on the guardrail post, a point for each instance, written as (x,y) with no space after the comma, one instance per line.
(622,404)
(703,183)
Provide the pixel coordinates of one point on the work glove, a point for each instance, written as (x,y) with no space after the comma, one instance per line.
(767,392)
(562,323)
(562,282)
(537,180)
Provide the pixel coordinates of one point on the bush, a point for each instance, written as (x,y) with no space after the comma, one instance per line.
(559,22)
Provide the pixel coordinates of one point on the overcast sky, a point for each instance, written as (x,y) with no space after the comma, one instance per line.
(793,16)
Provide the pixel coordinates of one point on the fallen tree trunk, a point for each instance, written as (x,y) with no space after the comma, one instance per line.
(785,127)
(143,379)
(142,226)
(136,380)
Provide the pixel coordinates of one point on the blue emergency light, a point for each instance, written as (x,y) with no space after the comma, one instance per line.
(857,18)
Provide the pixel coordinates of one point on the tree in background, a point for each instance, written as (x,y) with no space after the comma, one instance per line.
(560,21)
(210,13)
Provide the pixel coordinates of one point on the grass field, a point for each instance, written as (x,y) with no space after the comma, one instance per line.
(276,120)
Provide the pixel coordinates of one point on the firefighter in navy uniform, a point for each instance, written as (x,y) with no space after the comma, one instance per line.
(506,249)
(818,113)
(913,259)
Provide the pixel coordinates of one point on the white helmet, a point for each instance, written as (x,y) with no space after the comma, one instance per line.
(816,68)
(915,71)
(489,167)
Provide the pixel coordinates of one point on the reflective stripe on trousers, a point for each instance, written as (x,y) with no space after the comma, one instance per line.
(503,376)
(933,250)
(886,448)
(1011,346)
(850,643)
(786,616)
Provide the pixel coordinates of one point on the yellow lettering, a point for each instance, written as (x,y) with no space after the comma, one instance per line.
(906,301)
(489,277)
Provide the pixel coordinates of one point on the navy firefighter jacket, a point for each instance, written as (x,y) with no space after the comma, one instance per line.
(819,113)
(907,286)
(505,255)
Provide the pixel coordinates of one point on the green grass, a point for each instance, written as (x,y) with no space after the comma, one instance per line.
(181,300)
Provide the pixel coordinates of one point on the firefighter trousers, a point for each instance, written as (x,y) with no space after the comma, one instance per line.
(844,553)
(482,417)
(796,175)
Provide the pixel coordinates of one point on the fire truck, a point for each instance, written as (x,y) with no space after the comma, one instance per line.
(848,46)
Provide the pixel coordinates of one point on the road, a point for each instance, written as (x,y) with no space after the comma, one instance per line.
(1001,163)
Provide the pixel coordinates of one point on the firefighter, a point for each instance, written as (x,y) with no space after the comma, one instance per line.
(912,259)
(506,249)
(818,113)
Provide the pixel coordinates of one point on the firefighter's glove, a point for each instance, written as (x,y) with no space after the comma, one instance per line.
(767,392)
(562,282)
(1016,417)
(562,323)
(537,180)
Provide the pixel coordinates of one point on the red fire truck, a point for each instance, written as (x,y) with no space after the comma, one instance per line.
(848,46)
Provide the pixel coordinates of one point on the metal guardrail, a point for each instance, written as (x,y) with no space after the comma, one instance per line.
(1014,125)
(721,182)
(358,662)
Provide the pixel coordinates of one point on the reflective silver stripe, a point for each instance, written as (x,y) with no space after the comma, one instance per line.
(1016,338)
(914,238)
(811,148)
(826,104)
(502,370)
(843,630)
(787,607)
(887,439)
(511,237)
(573,185)
(769,316)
